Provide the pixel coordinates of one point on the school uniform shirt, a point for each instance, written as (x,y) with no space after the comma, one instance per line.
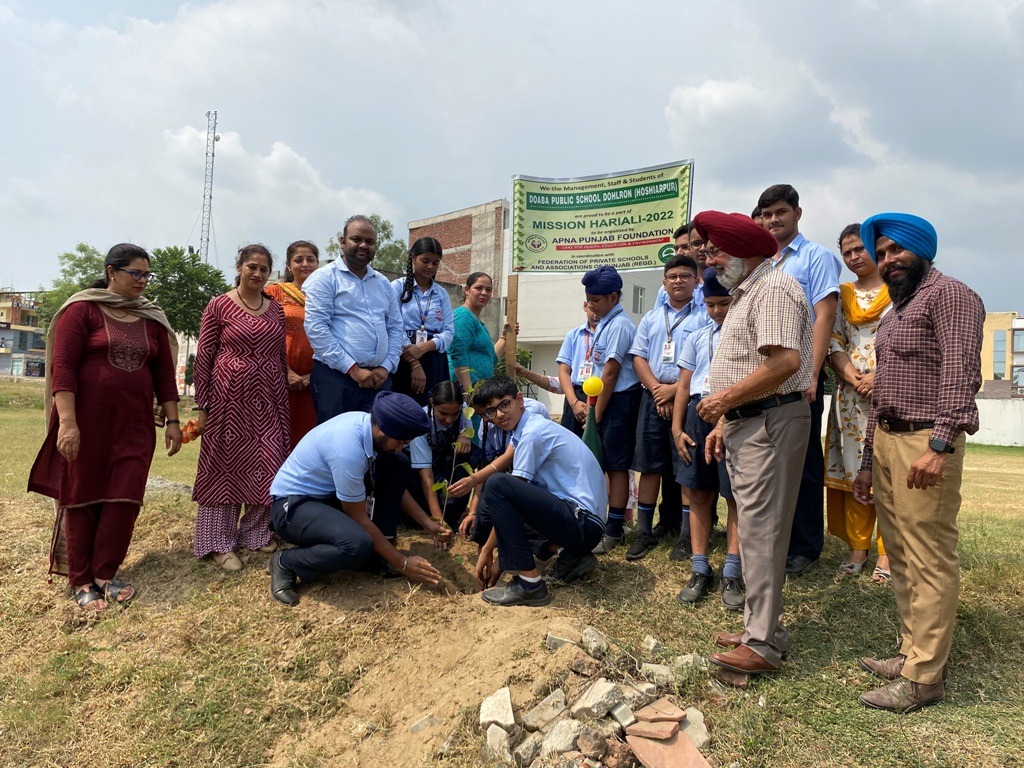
(431,310)
(575,350)
(612,339)
(654,330)
(698,352)
(814,266)
(553,458)
(421,455)
(331,460)
(352,321)
(497,439)
(662,298)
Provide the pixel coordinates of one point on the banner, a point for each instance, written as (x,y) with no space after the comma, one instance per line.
(623,219)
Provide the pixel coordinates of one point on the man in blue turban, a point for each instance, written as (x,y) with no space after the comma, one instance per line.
(338,495)
(928,350)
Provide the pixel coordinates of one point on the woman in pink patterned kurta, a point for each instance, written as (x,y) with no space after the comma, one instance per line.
(243,413)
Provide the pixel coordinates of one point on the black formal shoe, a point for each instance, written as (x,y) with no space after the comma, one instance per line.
(606,544)
(569,568)
(282,581)
(697,587)
(643,544)
(681,551)
(663,531)
(516,593)
(797,564)
(732,594)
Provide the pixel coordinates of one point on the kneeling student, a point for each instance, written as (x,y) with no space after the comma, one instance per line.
(556,488)
(338,495)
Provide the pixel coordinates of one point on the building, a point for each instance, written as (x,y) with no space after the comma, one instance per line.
(1017,359)
(22,341)
(478,239)
(997,362)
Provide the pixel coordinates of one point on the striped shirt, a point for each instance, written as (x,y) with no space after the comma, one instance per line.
(768,310)
(929,361)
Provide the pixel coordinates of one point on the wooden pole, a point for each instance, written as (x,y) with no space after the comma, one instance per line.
(512,316)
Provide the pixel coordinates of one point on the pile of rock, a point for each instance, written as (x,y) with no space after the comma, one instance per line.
(609,724)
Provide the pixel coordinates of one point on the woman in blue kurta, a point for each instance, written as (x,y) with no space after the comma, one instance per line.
(473,355)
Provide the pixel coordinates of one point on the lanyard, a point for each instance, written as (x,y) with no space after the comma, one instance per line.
(424,312)
(670,331)
(606,320)
(711,350)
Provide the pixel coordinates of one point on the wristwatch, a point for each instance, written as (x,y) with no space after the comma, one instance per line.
(941,446)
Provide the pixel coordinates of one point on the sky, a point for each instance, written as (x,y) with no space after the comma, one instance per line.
(327,108)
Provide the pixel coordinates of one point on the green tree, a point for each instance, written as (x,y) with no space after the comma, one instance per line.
(391,254)
(183,285)
(78,268)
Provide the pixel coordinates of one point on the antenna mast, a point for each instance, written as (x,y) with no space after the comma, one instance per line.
(211,140)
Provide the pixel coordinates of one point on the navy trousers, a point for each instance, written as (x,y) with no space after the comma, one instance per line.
(808,536)
(335,393)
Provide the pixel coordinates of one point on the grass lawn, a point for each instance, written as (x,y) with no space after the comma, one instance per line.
(206,670)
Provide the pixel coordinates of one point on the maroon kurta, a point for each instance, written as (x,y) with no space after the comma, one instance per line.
(114,368)
(240,376)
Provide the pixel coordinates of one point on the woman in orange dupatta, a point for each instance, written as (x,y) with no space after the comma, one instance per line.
(302,258)
(852,357)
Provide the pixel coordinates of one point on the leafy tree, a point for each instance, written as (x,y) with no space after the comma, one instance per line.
(183,285)
(391,254)
(190,370)
(78,269)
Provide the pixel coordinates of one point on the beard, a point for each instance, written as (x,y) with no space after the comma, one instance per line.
(905,285)
(731,274)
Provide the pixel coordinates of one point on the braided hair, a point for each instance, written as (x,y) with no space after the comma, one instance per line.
(423,245)
(444,392)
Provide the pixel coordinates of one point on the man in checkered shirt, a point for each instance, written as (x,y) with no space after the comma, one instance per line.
(922,407)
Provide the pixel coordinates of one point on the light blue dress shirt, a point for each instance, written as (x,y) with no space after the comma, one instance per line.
(351,321)
(650,338)
(497,439)
(697,355)
(330,460)
(421,455)
(814,266)
(431,310)
(575,349)
(553,458)
(612,340)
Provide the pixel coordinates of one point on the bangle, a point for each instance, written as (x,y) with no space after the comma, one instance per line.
(495,468)
(172,421)
(405,563)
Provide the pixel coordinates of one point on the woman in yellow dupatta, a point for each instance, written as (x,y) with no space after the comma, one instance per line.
(302,259)
(852,357)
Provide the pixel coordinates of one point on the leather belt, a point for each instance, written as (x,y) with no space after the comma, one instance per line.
(898,425)
(757,407)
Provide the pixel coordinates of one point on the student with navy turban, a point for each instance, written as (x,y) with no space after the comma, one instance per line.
(338,496)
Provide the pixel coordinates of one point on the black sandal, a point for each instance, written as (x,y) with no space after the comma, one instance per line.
(113,588)
(85,596)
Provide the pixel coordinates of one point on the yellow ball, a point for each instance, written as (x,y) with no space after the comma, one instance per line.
(593,386)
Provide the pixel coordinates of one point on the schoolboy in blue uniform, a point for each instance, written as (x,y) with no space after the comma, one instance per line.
(619,403)
(704,479)
(556,488)
(655,352)
(338,495)
(573,357)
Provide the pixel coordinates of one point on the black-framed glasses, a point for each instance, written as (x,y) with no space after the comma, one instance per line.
(679,278)
(712,251)
(503,407)
(139,277)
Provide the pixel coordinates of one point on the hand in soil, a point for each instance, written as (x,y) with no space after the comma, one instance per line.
(420,569)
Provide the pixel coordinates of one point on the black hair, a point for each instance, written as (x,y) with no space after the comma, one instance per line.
(423,245)
(494,388)
(756,213)
(682,230)
(252,249)
(357,217)
(779,193)
(119,257)
(474,276)
(288,276)
(681,261)
(443,393)
(848,230)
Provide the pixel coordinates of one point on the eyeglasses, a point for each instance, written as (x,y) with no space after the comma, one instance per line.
(712,251)
(139,277)
(679,278)
(503,407)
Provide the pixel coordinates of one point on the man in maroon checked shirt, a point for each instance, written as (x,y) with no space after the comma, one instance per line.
(922,407)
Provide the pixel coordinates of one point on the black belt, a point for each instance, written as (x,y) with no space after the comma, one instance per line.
(898,425)
(755,408)
(695,398)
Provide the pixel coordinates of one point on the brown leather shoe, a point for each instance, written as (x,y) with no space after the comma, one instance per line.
(902,696)
(744,660)
(890,669)
(733,640)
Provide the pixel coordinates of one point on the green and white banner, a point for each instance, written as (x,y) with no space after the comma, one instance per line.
(623,219)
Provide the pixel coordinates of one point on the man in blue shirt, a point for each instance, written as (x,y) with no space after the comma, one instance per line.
(354,325)
(556,488)
(338,495)
(655,352)
(817,270)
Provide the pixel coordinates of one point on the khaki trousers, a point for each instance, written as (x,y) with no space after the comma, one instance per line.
(921,533)
(765,459)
